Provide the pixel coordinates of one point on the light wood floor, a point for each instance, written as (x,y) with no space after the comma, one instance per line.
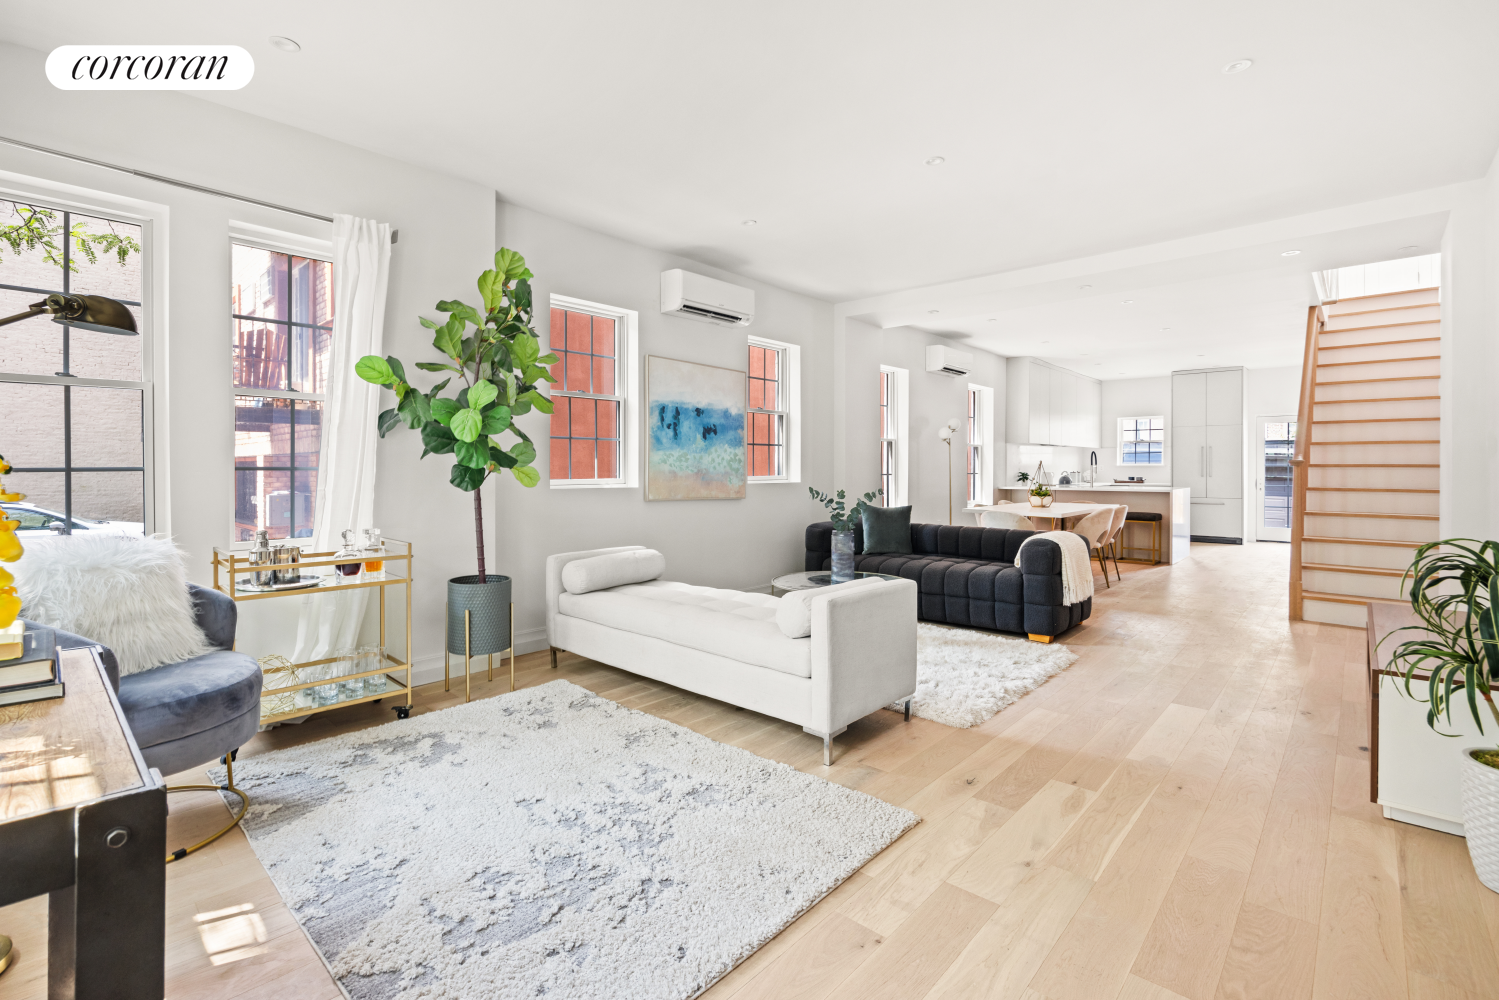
(1182,813)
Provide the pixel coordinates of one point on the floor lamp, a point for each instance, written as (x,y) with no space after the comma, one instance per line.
(87,312)
(948,430)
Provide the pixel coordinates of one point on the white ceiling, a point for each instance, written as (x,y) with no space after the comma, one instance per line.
(1068,129)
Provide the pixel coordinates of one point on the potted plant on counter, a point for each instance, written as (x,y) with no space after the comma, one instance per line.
(843,529)
(500,367)
(1455,593)
(1040,495)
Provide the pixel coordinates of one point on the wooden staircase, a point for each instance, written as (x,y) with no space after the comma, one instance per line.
(1365,464)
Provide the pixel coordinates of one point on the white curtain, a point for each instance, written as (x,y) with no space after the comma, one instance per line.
(346,464)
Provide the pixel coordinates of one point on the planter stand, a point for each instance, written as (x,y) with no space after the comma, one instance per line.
(487,629)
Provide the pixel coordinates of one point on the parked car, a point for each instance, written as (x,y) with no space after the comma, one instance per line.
(37,522)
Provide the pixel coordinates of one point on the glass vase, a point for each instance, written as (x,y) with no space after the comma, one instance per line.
(843,556)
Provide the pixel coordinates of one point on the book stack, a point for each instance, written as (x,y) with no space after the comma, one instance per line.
(29,669)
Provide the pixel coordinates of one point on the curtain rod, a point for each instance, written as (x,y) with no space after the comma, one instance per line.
(168,180)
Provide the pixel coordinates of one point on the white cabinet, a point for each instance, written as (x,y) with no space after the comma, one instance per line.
(1225,460)
(1046,405)
(1039,377)
(1207,448)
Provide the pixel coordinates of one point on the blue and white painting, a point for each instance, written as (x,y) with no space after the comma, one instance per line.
(695,423)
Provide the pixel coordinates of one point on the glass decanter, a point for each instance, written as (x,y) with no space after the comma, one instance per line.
(349,551)
(374,568)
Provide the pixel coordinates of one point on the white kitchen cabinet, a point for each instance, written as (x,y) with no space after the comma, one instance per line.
(1051,406)
(1189,459)
(1207,448)
(1225,460)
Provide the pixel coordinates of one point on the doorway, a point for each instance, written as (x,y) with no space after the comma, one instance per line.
(1274,440)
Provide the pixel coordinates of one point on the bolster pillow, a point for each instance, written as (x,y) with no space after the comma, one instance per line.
(794,614)
(616,569)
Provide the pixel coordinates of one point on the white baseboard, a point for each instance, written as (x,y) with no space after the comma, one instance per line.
(1422,819)
(428,669)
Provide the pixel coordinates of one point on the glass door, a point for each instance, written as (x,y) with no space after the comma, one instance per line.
(1274,437)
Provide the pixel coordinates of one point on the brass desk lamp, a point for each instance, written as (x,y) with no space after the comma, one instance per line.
(86,312)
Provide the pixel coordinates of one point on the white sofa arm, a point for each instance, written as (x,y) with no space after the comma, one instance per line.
(554,578)
(863,651)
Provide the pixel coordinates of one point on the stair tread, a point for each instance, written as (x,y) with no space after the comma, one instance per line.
(1385,295)
(1388,378)
(1363,513)
(1373,420)
(1385,309)
(1311,595)
(1396,441)
(1373,465)
(1378,326)
(1378,361)
(1361,570)
(1368,489)
(1383,399)
(1375,343)
(1387,542)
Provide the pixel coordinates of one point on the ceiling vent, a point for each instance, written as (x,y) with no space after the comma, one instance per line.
(946,361)
(709,299)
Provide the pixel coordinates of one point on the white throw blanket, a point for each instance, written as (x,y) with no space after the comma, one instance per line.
(1077,570)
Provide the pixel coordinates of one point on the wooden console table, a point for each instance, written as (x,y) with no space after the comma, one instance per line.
(83,819)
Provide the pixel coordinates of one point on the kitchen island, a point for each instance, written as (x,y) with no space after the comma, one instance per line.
(1172,503)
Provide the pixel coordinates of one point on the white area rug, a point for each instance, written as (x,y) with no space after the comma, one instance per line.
(547,843)
(964,677)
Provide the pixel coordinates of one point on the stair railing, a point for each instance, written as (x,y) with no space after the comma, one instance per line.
(1300,448)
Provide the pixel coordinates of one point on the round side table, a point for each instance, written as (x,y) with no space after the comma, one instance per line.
(815,579)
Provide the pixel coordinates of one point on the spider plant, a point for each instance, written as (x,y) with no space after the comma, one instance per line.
(1454,590)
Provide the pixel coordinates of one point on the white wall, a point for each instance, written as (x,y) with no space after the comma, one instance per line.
(447,237)
(1133,397)
(934,400)
(1270,392)
(723,543)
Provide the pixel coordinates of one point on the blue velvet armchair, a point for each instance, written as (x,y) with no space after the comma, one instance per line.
(193,712)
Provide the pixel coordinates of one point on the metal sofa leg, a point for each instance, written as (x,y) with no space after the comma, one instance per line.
(908,709)
(554,656)
(827,751)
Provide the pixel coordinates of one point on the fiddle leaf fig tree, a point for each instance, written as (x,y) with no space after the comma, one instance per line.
(499,367)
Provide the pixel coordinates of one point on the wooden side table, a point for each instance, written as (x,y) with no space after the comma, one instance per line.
(83,819)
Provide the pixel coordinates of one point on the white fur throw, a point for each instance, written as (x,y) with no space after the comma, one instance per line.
(128,593)
(1077,571)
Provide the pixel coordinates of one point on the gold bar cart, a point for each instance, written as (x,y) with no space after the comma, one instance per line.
(278,703)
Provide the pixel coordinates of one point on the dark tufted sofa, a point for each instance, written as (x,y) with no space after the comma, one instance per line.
(967,576)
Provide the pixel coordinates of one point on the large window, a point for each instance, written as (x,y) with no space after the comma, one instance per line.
(282,308)
(767,410)
(588,397)
(1141,440)
(76,402)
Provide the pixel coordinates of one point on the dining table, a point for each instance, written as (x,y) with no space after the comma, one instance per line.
(1058,515)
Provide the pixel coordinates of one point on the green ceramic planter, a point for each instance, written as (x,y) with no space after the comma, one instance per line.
(489,621)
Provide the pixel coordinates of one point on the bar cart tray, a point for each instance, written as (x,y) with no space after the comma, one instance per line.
(271,588)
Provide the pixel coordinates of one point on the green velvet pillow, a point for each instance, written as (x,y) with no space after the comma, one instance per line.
(887,530)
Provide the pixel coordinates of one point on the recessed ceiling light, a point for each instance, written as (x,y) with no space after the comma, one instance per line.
(1126,302)
(1165,328)
(285,44)
(1289,253)
(935,161)
(1083,288)
(1411,248)
(750,222)
(933,312)
(992,319)
(1202,355)
(1237,66)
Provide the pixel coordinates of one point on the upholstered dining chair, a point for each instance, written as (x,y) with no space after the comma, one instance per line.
(1096,528)
(1116,532)
(195,712)
(1004,519)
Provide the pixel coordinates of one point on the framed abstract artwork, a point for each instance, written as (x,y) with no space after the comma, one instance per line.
(694,445)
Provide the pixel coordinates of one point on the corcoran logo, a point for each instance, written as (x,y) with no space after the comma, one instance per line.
(149,67)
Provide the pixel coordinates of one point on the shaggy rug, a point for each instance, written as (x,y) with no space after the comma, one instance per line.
(964,677)
(547,842)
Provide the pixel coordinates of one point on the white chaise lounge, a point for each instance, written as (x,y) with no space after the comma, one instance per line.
(860,654)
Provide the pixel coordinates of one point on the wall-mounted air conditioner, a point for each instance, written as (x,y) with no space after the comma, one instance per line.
(946,361)
(701,297)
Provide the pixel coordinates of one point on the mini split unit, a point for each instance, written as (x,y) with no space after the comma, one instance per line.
(946,361)
(700,297)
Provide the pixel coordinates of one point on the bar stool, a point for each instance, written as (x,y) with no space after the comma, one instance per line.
(1143,517)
